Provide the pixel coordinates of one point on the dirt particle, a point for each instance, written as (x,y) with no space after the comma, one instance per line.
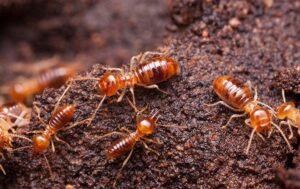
(234,22)
(268,3)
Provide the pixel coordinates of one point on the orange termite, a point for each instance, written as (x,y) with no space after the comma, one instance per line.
(288,111)
(145,126)
(238,97)
(6,136)
(51,78)
(144,71)
(60,117)
(58,121)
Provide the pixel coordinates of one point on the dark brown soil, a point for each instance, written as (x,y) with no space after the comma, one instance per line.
(250,40)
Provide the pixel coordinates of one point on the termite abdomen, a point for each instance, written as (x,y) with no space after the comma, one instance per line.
(156,70)
(61,117)
(58,120)
(121,146)
(232,91)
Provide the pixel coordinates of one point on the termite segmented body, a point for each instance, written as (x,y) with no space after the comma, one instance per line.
(58,120)
(122,146)
(156,70)
(53,77)
(238,97)
(233,92)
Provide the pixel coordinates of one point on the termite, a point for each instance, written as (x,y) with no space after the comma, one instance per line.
(288,111)
(61,116)
(146,70)
(6,136)
(145,126)
(238,97)
(58,121)
(51,78)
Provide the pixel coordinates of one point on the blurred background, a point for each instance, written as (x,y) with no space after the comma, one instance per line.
(39,32)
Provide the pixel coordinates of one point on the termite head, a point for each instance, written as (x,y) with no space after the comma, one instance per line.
(146,125)
(40,143)
(261,119)
(285,110)
(109,84)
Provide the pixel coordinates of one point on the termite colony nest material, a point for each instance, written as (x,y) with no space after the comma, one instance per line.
(249,40)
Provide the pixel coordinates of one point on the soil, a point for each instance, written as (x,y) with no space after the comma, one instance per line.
(253,41)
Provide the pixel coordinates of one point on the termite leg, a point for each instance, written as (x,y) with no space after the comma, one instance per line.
(270,133)
(132,105)
(247,122)
(34,132)
(112,69)
(290,127)
(76,124)
(38,110)
(19,136)
(123,165)
(231,118)
(133,61)
(155,87)
(283,95)
(283,135)
(2,169)
(49,167)
(250,141)
(224,104)
(121,95)
(150,149)
(52,146)
(111,133)
(21,148)
(152,141)
(149,53)
(85,78)
(98,107)
(133,96)
(62,141)
(2,156)
(124,129)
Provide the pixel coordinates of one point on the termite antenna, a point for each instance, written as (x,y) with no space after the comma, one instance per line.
(283,135)
(63,94)
(283,95)
(133,106)
(155,114)
(250,141)
(267,106)
(98,107)
(49,168)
